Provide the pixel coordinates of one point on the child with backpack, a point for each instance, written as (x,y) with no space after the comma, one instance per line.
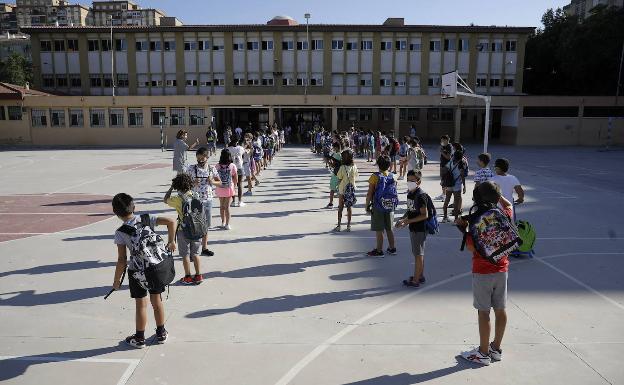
(347,174)
(491,236)
(421,219)
(334,163)
(192,225)
(483,174)
(453,181)
(445,157)
(381,201)
(228,176)
(134,235)
(204,178)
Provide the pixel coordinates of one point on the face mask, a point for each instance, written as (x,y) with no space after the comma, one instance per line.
(412,186)
(201,164)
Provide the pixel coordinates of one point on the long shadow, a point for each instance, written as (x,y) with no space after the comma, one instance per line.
(266,238)
(60,267)
(276,214)
(30,298)
(409,379)
(281,268)
(89,238)
(15,367)
(287,303)
(288,199)
(78,203)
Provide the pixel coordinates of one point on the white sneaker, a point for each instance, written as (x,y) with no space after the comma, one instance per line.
(439,198)
(242,204)
(477,357)
(228,227)
(495,355)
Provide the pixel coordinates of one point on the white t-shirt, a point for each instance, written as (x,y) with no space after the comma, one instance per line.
(237,156)
(203,175)
(506,184)
(239,131)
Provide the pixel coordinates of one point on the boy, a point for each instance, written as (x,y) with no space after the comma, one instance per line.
(445,157)
(507,183)
(334,162)
(380,219)
(483,174)
(415,217)
(211,141)
(123,207)
(489,284)
(188,248)
(203,177)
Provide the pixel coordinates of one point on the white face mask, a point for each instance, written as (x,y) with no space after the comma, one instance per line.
(412,186)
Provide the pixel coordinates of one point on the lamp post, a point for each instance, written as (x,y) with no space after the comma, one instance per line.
(112,48)
(162,121)
(307,80)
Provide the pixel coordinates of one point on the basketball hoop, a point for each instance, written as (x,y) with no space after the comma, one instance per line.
(449,85)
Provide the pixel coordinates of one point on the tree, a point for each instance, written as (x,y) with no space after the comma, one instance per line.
(16,70)
(568,57)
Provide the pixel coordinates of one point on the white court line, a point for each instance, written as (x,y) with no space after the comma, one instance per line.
(305,361)
(131,363)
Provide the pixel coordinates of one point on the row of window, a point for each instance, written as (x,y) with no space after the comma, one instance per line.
(495,82)
(387,114)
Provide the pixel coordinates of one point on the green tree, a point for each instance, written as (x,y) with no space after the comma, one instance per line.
(568,57)
(16,70)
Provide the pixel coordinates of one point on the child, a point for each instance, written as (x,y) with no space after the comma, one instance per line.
(382,218)
(445,157)
(236,150)
(454,185)
(347,174)
(203,177)
(507,183)
(247,166)
(415,218)
(403,149)
(211,141)
(189,248)
(483,174)
(229,179)
(334,162)
(123,207)
(415,156)
(489,283)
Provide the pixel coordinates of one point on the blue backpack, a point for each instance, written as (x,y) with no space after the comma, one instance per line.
(257,153)
(225,175)
(431,224)
(386,197)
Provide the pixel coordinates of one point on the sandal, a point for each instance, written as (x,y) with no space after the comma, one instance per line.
(410,283)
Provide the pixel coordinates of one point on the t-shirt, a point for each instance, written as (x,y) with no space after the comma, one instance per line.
(239,131)
(506,184)
(456,171)
(481,265)
(346,175)
(414,159)
(445,150)
(237,156)
(374,179)
(176,202)
(122,238)
(179,155)
(415,201)
(483,175)
(247,156)
(203,175)
(211,135)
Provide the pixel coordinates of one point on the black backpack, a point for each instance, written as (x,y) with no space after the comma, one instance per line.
(193,221)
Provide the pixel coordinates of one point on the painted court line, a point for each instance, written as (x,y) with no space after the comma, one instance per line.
(131,363)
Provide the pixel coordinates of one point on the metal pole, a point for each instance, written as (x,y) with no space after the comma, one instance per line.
(307,80)
(619,83)
(112,48)
(162,139)
(486,135)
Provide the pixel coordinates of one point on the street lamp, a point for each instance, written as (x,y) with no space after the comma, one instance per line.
(307,80)
(162,122)
(112,49)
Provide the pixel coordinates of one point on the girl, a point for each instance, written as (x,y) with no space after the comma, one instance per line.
(456,176)
(403,149)
(229,179)
(347,174)
(334,162)
(179,152)
(237,158)
(247,166)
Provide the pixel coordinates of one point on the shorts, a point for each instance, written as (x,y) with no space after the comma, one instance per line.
(418,239)
(381,220)
(246,169)
(138,291)
(393,158)
(212,145)
(186,247)
(208,212)
(489,291)
(333,183)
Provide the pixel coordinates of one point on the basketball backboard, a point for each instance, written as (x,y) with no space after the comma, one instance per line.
(449,85)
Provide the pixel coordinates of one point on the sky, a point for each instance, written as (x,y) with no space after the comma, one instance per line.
(525,13)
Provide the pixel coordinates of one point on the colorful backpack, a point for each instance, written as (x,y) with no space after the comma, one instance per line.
(349,197)
(386,198)
(527,234)
(225,175)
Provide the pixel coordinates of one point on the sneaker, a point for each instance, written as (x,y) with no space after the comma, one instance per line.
(233,204)
(495,355)
(161,338)
(257,183)
(242,204)
(135,342)
(198,279)
(439,198)
(330,206)
(187,280)
(422,280)
(348,228)
(445,220)
(207,253)
(392,251)
(336,229)
(248,193)
(476,356)
(227,227)
(375,253)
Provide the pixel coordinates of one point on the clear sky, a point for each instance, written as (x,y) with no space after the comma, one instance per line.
(526,13)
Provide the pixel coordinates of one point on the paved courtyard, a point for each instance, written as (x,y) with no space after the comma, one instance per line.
(287,302)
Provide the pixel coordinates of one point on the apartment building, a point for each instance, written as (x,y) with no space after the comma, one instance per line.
(50,12)
(8,19)
(14,44)
(124,13)
(582,8)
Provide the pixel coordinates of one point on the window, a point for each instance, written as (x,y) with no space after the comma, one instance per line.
(219,82)
(366,82)
(400,83)
(301,81)
(482,47)
(158,116)
(72,45)
(386,46)
(238,47)
(38,118)
(203,45)
(267,81)
(239,81)
(94,45)
(384,82)
(497,47)
(157,83)
(337,45)
(46,46)
(463,45)
(287,82)
(75,81)
(61,81)
(97,117)
(108,80)
(122,81)
(155,45)
(352,114)
(434,46)
(415,47)
(352,46)
(447,114)
(59,45)
(116,117)
(170,45)
(409,114)
(287,45)
(366,114)
(317,45)
(302,46)
(190,45)
(197,116)
(434,81)
(386,114)
(121,45)
(494,82)
(141,45)
(208,83)
(48,81)
(217,47)
(550,112)
(191,82)
(253,46)
(15,112)
(178,116)
(481,82)
(171,83)
(106,45)
(95,80)
(57,118)
(508,83)
(253,82)
(400,45)
(440,114)
(2,113)
(135,117)
(449,45)
(316,81)
(76,118)
(510,46)
(267,45)
(367,45)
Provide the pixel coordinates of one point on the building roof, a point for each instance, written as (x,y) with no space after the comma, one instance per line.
(13,92)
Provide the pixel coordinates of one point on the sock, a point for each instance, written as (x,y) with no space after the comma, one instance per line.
(160,329)
(140,335)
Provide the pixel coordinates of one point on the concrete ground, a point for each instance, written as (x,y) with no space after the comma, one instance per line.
(287,302)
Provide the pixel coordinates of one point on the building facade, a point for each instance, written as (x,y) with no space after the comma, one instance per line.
(50,12)
(8,19)
(582,8)
(124,13)
(14,44)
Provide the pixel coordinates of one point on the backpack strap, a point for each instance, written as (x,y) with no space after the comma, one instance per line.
(146,222)
(127,229)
